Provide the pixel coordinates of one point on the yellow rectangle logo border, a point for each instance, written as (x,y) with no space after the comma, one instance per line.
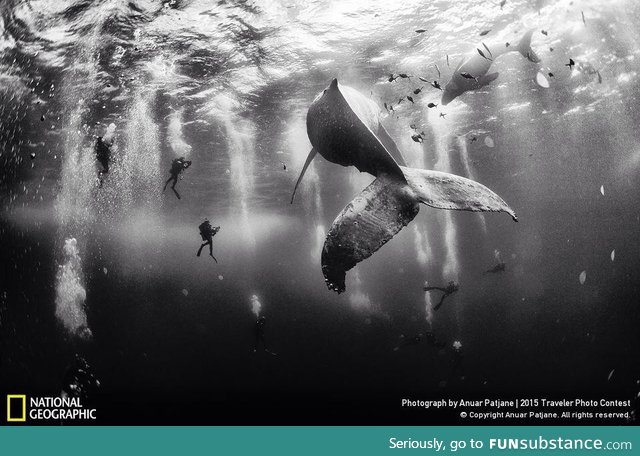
(23,418)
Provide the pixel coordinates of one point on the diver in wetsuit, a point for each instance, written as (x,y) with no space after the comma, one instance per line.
(103,155)
(449,290)
(259,330)
(177,166)
(207,232)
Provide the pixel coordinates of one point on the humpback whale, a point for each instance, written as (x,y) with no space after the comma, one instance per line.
(344,127)
(478,67)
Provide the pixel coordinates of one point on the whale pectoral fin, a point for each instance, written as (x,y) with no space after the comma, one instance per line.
(312,153)
(448,191)
(391,146)
(373,217)
(524,47)
(487,79)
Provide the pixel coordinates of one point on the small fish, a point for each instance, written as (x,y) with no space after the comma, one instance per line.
(550,49)
(488,50)
(420,31)
(442,114)
(447,59)
(436,85)
(417,91)
(413,126)
(417,138)
(42,118)
(583,20)
(386,107)
(400,100)
(431,105)
(32,155)
(392,77)
(438,70)
(474,139)
(484,32)
(423,79)
(550,74)
(507,44)
(404,75)
(284,166)
(409,98)
(482,54)
(599,77)
(466,75)
(544,32)
(570,64)
(502,3)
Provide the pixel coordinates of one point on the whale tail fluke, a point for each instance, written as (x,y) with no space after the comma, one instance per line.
(524,48)
(448,191)
(387,205)
(373,217)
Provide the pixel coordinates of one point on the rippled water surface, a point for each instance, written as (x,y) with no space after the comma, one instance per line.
(111,273)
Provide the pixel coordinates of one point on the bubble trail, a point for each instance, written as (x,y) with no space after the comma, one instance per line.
(70,292)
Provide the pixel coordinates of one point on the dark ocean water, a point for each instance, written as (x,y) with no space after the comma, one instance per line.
(227,84)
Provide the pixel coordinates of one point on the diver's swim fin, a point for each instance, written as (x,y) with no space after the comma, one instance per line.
(312,154)
(524,48)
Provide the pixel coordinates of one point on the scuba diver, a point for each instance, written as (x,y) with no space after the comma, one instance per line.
(456,367)
(260,323)
(500,267)
(449,290)
(177,166)
(103,155)
(207,232)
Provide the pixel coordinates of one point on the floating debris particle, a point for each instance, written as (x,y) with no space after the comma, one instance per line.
(488,141)
(542,80)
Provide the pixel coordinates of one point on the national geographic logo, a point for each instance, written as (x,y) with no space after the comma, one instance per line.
(19,409)
(16,408)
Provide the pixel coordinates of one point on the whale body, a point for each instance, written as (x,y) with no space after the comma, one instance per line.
(345,128)
(478,67)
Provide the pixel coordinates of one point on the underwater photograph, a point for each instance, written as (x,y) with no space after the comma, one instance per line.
(322,212)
